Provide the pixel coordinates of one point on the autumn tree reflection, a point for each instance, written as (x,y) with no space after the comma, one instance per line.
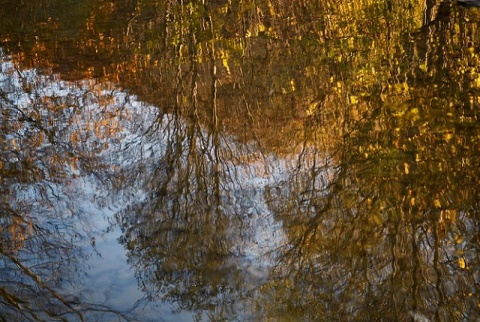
(392,234)
(187,238)
(375,101)
(49,152)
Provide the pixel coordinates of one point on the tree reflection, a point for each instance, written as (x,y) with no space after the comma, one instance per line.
(393,234)
(46,146)
(187,237)
(376,102)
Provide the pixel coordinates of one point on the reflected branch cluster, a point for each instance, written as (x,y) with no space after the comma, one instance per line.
(305,160)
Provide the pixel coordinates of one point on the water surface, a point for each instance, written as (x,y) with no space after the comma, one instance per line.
(239,161)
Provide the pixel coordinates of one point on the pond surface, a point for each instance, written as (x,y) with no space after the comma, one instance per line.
(239,161)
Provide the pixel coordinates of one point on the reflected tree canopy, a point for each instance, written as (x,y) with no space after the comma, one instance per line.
(49,161)
(263,160)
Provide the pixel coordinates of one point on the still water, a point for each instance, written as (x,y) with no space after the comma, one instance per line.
(239,160)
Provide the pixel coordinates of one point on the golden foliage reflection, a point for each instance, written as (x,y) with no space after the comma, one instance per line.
(375,101)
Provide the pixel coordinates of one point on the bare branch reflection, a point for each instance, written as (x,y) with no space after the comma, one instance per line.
(50,159)
(295,160)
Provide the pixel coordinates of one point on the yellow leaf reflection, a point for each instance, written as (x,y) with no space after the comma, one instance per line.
(407,168)
(462,263)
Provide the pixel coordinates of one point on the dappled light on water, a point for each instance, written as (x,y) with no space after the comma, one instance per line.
(205,161)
